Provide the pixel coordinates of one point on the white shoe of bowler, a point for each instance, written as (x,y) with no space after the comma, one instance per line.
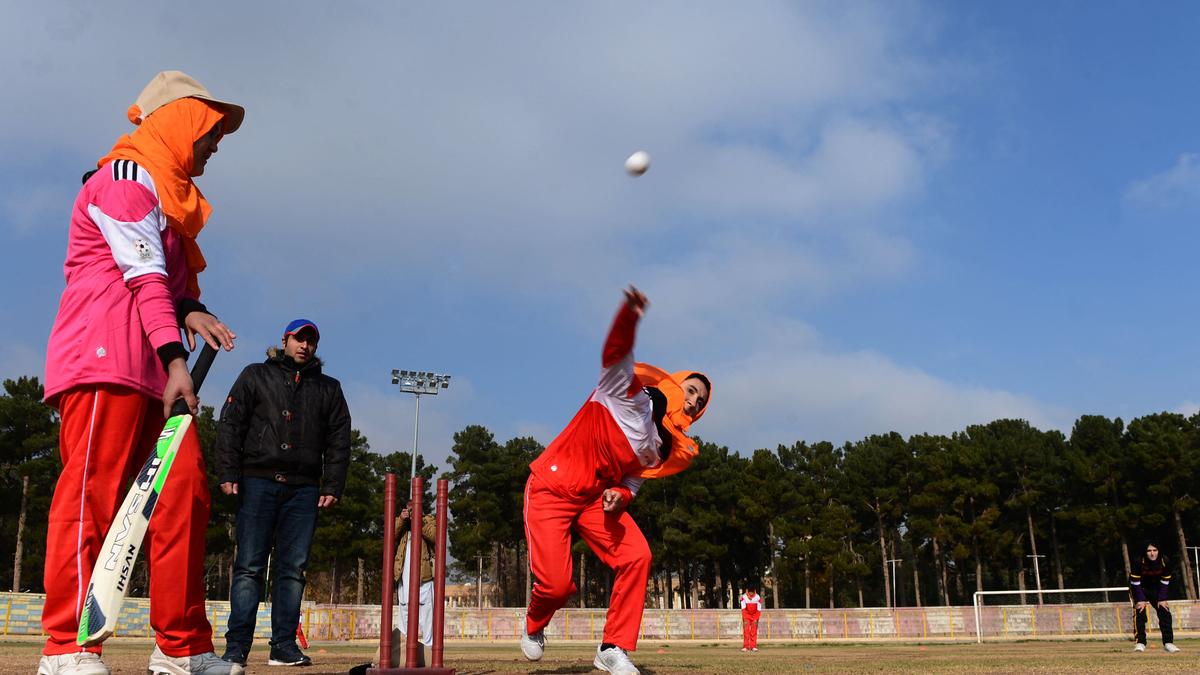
(1139,647)
(614,660)
(532,646)
(1170,647)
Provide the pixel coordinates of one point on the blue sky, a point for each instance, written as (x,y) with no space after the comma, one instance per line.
(860,217)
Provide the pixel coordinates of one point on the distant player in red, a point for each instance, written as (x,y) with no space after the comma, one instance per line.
(751,611)
(631,428)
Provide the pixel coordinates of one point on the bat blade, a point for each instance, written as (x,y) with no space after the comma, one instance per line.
(110,578)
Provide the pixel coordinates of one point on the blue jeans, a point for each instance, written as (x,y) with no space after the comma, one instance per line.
(270,516)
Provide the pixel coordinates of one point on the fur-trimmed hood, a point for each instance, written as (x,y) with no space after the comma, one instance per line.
(275,355)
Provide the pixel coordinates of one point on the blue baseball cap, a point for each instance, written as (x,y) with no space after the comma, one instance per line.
(299,325)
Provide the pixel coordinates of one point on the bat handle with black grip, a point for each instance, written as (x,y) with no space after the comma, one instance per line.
(199,371)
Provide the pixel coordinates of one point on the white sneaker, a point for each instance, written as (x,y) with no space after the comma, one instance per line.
(1139,647)
(615,660)
(1170,647)
(79,663)
(201,664)
(532,646)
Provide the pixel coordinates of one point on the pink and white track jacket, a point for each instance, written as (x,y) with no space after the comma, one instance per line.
(613,436)
(126,273)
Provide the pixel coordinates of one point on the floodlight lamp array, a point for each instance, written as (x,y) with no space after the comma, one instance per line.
(419,381)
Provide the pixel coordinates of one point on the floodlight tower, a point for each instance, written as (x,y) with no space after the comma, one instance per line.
(418,383)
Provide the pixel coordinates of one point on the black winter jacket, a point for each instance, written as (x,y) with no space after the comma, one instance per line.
(285,422)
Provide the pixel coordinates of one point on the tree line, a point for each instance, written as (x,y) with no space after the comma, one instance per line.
(926,520)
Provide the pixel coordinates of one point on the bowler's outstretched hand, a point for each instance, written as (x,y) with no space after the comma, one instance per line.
(636,300)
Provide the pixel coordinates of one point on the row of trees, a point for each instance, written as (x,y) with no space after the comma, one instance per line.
(996,506)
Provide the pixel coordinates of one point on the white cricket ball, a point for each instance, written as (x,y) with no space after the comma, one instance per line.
(637,163)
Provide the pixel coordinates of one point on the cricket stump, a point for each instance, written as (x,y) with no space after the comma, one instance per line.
(413,647)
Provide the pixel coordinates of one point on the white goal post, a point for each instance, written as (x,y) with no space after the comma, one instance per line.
(1045,591)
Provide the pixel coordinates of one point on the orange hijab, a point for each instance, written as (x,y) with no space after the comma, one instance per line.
(675,421)
(163,144)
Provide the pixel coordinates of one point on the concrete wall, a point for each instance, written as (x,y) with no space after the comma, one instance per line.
(22,614)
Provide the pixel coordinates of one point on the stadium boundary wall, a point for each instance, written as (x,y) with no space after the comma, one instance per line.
(22,616)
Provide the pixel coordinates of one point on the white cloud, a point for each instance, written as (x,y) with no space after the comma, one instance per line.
(1177,187)
(809,393)
(1187,408)
(482,145)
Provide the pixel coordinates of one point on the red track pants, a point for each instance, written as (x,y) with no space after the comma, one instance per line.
(613,537)
(749,633)
(107,433)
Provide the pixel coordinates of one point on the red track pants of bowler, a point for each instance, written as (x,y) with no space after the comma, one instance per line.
(107,434)
(613,537)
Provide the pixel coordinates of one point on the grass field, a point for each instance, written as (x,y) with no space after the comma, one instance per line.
(129,655)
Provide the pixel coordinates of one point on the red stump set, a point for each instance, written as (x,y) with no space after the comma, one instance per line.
(412,645)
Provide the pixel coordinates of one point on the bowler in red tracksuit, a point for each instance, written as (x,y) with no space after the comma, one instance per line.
(631,428)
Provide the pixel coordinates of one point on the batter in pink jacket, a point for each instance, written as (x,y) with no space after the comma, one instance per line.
(116,362)
(630,428)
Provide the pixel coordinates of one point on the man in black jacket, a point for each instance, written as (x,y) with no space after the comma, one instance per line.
(283,447)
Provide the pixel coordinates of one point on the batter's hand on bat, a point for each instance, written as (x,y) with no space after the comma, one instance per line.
(179,386)
(636,300)
(612,501)
(209,328)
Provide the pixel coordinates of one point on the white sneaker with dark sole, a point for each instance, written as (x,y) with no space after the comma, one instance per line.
(200,664)
(533,646)
(614,660)
(79,663)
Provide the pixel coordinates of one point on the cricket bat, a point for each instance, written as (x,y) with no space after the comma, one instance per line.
(111,575)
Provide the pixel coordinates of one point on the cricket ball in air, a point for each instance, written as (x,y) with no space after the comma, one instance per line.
(637,163)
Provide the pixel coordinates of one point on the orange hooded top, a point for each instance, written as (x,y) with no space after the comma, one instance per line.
(163,144)
(675,420)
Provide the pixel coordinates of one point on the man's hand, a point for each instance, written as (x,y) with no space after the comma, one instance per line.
(210,329)
(1162,603)
(636,300)
(612,501)
(229,488)
(326,501)
(179,386)
(1142,605)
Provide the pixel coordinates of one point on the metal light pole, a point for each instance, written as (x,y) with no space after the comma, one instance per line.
(418,383)
(893,562)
